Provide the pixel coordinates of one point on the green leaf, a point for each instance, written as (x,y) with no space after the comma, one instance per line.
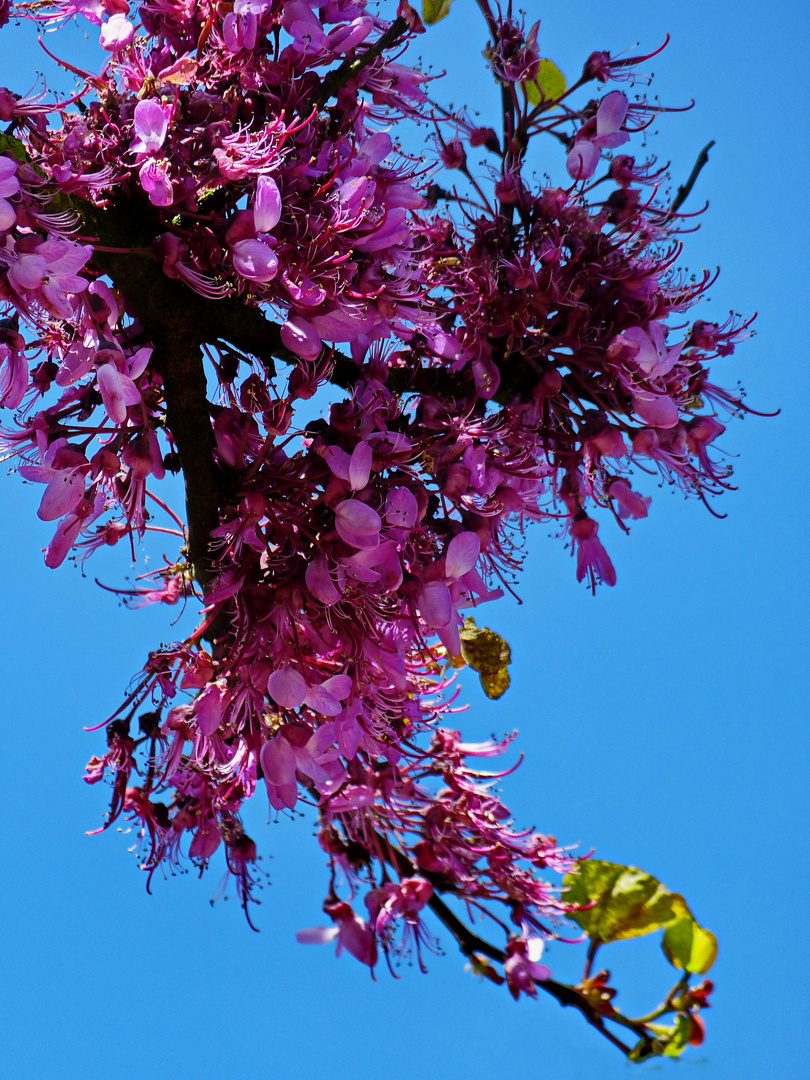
(626,901)
(679,1037)
(689,946)
(487,653)
(434,10)
(549,85)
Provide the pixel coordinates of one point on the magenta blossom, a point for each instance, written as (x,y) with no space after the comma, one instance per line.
(297,750)
(151,121)
(255,260)
(9,185)
(521,966)
(600,133)
(63,470)
(116,33)
(351,933)
(156,182)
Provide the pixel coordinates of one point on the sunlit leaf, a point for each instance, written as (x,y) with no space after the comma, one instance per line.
(434,10)
(689,946)
(626,901)
(487,653)
(549,85)
(680,1037)
(668,1040)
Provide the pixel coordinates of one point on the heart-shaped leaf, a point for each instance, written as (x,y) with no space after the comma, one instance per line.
(549,85)
(621,902)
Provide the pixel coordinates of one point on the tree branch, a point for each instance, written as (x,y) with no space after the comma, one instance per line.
(470,944)
(349,68)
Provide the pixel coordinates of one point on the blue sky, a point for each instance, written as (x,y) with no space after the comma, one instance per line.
(663,722)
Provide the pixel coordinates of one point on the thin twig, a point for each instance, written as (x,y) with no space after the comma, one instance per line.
(683,191)
(471,944)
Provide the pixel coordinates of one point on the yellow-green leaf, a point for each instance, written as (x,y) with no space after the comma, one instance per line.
(434,10)
(624,902)
(689,946)
(549,85)
(679,1037)
(487,653)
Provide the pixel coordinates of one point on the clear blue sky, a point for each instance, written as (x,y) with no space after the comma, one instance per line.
(664,722)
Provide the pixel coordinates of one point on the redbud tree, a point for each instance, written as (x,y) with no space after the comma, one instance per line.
(251,204)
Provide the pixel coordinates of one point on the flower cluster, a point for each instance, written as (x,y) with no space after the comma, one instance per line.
(229,196)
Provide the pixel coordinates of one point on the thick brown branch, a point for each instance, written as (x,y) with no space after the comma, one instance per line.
(179,363)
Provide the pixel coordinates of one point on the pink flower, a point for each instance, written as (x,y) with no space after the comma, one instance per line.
(9,185)
(206,839)
(51,273)
(239,31)
(357,523)
(602,132)
(254,260)
(63,469)
(116,33)
(13,376)
(592,559)
(380,565)
(69,528)
(300,338)
(319,581)
(658,410)
(630,503)
(702,431)
(151,125)
(297,749)
(355,469)
(303,25)
(143,457)
(289,689)
(208,706)
(652,357)
(401,509)
(439,599)
(155,181)
(462,554)
(351,933)
(609,442)
(398,900)
(117,392)
(266,205)
(521,966)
